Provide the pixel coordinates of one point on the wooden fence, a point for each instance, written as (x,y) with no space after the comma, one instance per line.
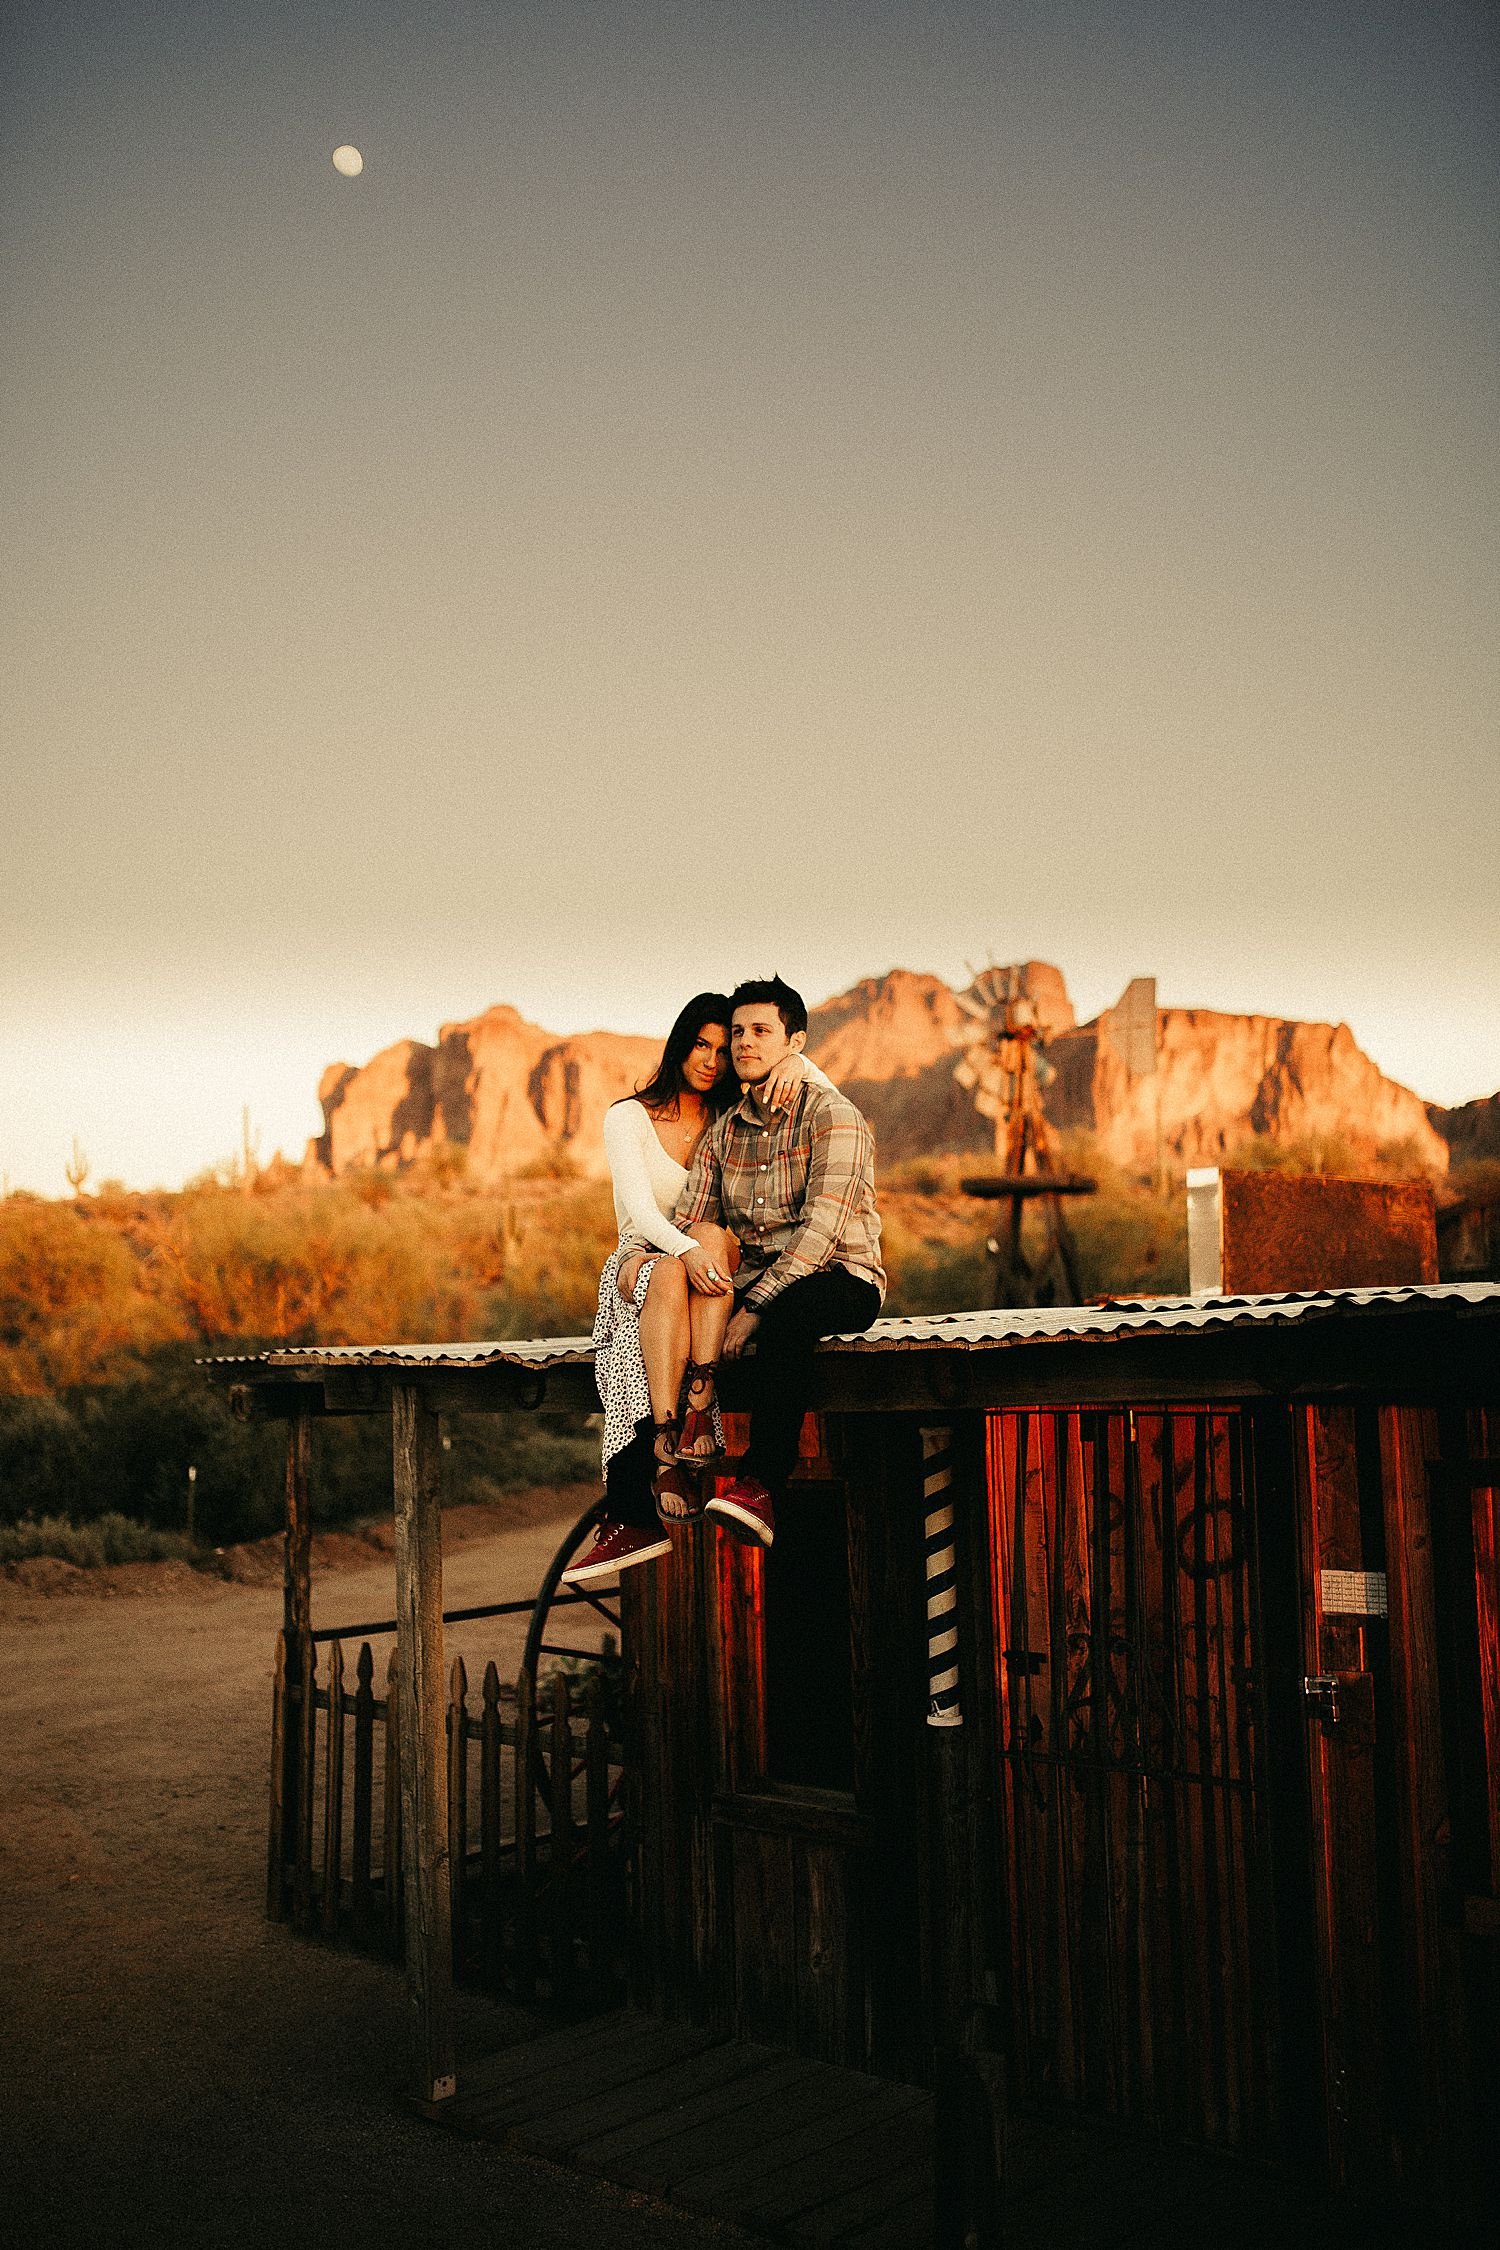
(536,1844)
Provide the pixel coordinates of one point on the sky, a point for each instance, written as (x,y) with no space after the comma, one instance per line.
(732,488)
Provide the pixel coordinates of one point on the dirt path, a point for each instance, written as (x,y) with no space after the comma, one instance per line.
(172,2068)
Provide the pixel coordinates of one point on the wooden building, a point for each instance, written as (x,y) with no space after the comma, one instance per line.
(1207,1840)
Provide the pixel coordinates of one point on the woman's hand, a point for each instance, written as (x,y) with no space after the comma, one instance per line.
(703,1274)
(781,1085)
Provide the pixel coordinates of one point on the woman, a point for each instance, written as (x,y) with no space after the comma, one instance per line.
(665,1296)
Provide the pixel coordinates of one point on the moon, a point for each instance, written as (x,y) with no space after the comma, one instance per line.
(348,161)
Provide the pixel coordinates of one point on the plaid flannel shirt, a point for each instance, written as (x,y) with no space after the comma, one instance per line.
(796,1186)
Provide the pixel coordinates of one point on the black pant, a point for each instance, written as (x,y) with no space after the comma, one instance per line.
(627,1483)
(825,1304)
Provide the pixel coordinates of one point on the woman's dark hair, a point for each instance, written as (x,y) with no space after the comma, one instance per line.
(664,1088)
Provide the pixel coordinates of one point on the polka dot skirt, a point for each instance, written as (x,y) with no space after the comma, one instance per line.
(619,1370)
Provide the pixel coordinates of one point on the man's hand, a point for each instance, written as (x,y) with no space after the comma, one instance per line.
(741,1329)
(703,1274)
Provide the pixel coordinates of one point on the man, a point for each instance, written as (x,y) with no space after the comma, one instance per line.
(796,1186)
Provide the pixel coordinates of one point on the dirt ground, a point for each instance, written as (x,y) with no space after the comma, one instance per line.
(172,2067)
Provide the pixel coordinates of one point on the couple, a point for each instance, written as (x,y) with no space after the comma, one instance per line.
(745,1195)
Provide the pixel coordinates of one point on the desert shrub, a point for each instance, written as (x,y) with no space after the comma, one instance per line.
(1334,1156)
(494,1453)
(550,1285)
(936,1174)
(124,1448)
(108,1539)
(315,1267)
(72,1302)
(932,1277)
(1130,1243)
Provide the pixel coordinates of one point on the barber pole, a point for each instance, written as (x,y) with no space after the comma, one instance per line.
(942,1580)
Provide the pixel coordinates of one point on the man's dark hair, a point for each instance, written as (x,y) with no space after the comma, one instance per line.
(789,1005)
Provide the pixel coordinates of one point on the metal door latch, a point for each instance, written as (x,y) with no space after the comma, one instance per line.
(1321,1690)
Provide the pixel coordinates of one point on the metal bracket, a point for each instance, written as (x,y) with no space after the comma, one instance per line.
(1321,1692)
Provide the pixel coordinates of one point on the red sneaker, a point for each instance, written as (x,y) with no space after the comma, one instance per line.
(616,1547)
(744,1510)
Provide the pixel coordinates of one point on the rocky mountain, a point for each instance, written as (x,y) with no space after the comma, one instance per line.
(515,1096)
(1472,1131)
(1221,1080)
(507,1092)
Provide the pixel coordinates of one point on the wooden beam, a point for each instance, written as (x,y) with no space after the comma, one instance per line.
(288,1717)
(296,1575)
(416,1461)
(264,1400)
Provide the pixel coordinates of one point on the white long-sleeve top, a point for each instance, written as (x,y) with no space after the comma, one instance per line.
(646,1180)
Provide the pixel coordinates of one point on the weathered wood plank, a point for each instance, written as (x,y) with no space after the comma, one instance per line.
(559,2130)
(828,2112)
(390,1832)
(590,2074)
(458,1802)
(493,1938)
(600,1883)
(560,1845)
(901,2226)
(653,2152)
(276,1827)
(871,2180)
(553,2050)
(876,2149)
(307,1751)
(416,1467)
(779,2125)
(296,1581)
(764,1939)
(333,1793)
(1345,1780)
(525,1821)
(364,1789)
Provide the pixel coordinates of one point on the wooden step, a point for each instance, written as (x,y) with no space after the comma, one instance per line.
(792,2149)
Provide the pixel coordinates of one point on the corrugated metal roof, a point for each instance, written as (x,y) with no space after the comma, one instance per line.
(970,1331)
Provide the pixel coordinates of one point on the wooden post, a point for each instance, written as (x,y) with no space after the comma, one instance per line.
(416,1461)
(390,1825)
(968,2083)
(307,1757)
(492,1941)
(596,1772)
(364,1779)
(276,1839)
(333,1793)
(296,1583)
(458,1801)
(292,1650)
(560,1844)
(525,1837)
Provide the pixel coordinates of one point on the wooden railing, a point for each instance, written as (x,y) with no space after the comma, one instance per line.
(536,1849)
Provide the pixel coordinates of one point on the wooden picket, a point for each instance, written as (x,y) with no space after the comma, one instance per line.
(540,1908)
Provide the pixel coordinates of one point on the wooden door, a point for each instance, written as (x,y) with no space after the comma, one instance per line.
(1400,1601)
(821,1692)
(1132,1735)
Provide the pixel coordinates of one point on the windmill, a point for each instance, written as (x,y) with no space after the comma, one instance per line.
(1004,1066)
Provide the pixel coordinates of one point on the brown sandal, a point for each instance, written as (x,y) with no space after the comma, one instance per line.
(698,1421)
(677,1482)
